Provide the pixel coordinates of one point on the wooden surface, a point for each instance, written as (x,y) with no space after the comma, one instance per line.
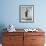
(12,39)
(21,38)
(34,39)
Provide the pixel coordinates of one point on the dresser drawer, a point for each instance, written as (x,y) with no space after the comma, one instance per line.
(37,44)
(12,39)
(13,44)
(13,33)
(34,33)
(37,39)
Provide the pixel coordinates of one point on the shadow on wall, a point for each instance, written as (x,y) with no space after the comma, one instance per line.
(2,26)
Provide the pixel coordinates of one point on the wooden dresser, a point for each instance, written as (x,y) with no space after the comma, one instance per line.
(23,38)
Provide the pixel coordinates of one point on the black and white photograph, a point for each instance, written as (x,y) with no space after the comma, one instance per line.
(26,13)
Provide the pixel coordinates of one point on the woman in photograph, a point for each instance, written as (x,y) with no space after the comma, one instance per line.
(26,13)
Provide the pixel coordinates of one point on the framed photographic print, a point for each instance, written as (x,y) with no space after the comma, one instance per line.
(26,13)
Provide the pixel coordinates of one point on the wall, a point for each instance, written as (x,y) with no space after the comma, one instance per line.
(10,13)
